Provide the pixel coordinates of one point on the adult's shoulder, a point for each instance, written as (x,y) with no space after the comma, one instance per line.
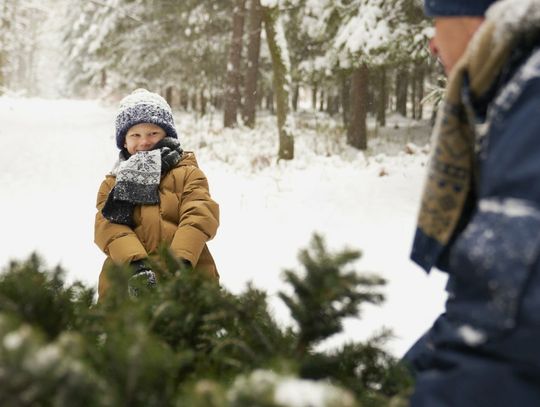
(523,87)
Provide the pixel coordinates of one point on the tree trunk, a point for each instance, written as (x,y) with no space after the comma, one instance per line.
(261,97)
(402,84)
(357,131)
(270,101)
(414,83)
(103,79)
(321,100)
(2,78)
(345,99)
(281,79)
(333,104)
(184,99)
(296,94)
(420,73)
(314,91)
(4,29)
(169,95)
(232,86)
(328,104)
(383,97)
(204,102)
(253,52)
(193,101)
(217,101)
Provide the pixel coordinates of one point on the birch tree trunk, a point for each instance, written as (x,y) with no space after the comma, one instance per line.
(232,86)
(253,52)
(281,79)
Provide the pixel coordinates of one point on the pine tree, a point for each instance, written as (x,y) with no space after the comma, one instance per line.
(146,43)
(21,24)
(188,341)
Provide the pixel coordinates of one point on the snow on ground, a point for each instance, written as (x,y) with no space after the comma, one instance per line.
(55,154)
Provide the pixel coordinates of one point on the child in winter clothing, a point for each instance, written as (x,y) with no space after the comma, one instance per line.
(155,195)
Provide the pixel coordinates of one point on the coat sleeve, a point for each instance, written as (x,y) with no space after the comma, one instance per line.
(498,251)
(199,217)
(119,242)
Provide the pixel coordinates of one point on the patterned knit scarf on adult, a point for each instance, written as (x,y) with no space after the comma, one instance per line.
(451,171)
(137,179)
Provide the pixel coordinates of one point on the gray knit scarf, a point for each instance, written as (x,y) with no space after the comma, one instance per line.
(137,179)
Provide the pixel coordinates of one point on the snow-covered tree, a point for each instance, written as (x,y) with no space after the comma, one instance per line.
(281,68)
(189,342)
(123,44)
(342,42)
(21,23)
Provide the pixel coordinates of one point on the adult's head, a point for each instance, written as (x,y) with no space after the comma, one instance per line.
(140,107)
(456,21)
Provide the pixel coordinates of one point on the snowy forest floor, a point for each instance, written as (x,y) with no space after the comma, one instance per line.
(55,154)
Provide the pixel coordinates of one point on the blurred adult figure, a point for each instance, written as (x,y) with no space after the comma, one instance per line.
(479,219)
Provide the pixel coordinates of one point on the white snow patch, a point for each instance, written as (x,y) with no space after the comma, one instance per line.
(308,393)
(143,96)
(269,3)
(281,42)
(13,340)
(514,88)
(46,357)
(471,336)
(514,16)
(290,391)
(514,208)
(269,209)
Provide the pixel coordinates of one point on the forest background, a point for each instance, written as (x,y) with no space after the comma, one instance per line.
(306,116)
(349,58)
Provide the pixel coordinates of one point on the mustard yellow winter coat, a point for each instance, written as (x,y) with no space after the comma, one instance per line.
(185,219)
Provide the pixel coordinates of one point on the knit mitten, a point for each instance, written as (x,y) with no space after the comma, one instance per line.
(169,158)
(142,279)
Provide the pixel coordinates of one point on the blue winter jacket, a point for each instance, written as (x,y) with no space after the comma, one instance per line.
(485,349)
(496,246)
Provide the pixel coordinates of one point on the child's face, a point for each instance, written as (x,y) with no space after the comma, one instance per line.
(142,137)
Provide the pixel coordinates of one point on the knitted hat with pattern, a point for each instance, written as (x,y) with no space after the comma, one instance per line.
(142,106)
(449,8)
